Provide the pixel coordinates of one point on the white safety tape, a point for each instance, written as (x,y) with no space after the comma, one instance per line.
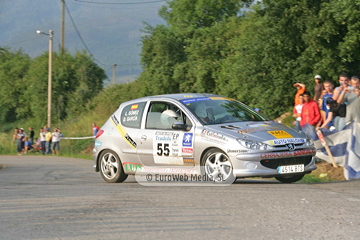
(77,137)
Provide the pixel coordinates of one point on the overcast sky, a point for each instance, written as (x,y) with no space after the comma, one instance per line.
(108,30)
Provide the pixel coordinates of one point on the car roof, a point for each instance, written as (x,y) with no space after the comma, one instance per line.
(181,96)
(175,96)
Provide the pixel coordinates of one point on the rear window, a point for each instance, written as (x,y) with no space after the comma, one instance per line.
(131,115)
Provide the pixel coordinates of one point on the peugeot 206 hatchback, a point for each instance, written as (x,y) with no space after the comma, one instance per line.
(215,135)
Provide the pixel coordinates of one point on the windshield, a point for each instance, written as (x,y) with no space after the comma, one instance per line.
(218,110)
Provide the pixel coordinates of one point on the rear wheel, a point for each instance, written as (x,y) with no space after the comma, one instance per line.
(217,165)
(290,179)
(111,169)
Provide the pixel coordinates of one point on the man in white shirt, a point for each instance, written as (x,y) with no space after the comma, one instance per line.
(56,135)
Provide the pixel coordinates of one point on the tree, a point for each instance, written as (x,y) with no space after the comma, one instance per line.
(254,56)
(162,50)
(184,14)
(13,67)
(76,80)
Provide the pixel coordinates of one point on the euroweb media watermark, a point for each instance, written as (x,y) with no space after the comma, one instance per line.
(181,176)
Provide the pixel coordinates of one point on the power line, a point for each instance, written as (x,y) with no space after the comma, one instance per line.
(29,39)
(121,3)
(134,64)
(112,7)
(78,33)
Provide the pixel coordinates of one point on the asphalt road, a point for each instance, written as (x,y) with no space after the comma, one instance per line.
(45,197)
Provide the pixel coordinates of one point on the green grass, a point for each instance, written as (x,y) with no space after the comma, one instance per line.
(308,178)
(7,146)
(288,121)
(311,178)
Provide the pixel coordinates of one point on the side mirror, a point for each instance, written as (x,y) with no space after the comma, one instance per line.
(179,126)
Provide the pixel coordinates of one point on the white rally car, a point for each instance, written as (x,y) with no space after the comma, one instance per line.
(212,134)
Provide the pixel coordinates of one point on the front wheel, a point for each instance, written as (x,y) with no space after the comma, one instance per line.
(290,179)
(111,169)
(217,166)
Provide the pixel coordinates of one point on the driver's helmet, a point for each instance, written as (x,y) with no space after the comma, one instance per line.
(205,112)
(168,117)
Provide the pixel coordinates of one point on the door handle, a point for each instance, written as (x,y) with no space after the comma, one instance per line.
(143,137)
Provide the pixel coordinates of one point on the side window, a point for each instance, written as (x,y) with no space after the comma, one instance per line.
(131,115)
(162,115)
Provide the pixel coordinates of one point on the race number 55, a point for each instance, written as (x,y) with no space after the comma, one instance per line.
(163,149)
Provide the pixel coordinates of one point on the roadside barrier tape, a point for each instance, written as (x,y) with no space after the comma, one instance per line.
(77,137)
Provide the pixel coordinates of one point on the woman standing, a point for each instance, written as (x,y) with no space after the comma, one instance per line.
(20,142)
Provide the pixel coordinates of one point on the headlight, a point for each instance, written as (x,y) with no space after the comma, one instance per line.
(309,141)
(253,145)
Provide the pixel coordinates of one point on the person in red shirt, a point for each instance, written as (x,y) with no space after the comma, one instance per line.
(94,129)
(310,112)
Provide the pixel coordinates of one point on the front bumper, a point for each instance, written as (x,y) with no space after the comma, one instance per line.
(266,164)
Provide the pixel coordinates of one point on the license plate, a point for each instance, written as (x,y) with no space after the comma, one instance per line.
(291,169)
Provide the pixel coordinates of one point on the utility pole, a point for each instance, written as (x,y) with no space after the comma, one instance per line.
(51,33)
(114,74)
(62,41)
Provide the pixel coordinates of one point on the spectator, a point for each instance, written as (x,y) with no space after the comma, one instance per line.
(297,112)
(318,89)
(48,137)
(336,109)
(37,144)
(310,113)
(27,145)
(301,88)
(14,137)
(56,135)
(31,135)
(343,82)
(324,109)
(42,140)
(350,95)
(354,83)
(95,129)
(20,143)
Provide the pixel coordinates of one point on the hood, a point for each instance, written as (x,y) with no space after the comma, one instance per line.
(258,131)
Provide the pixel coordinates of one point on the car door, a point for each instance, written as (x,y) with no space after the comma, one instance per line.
(128,126)
(159,144)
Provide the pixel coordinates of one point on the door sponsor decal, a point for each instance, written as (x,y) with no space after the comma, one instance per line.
(187,150)
(189,161)
(122,132)
(187,140)
(168,147)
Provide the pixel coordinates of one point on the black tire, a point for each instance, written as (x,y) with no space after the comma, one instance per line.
(290,179)
(215,162)
(110,166)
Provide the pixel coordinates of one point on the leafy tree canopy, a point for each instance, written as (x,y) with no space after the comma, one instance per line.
(254,55)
